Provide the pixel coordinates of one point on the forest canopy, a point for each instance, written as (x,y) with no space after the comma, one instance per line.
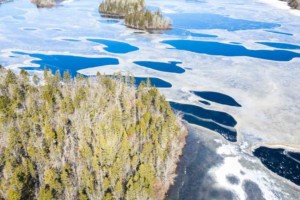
(135,14)
(85,138)
(121,7)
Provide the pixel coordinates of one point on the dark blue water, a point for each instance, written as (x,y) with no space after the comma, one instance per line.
(157,82)
(160,66)
(115,46)
(217,116)
(223,49)
(71,40)
(181,32)
(209,119)
(205,102)
(66,62)
(235,43)
(278,32)
(279,45)
(278,161)
(228,134)
(215,21)
(294,155)
(217,98)
(109,21)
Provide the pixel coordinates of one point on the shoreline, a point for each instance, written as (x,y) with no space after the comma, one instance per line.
(111,15)
(149,29)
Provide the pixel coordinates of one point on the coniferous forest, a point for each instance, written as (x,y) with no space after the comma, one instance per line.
(120,8)
(135,14)
(85,138)
(147,20)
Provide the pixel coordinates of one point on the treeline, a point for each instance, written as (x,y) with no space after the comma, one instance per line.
(135,14)
(120,8)
(97,138)
(147,20)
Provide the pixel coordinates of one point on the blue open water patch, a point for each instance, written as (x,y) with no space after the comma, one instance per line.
(157,82)
(161,66)
(204,102)
(71,40)
(217,98)
(279,45)
(223,49)
(210,119)
(66,62)
(115,46)
(235,43)
(215,21)
(278,32)
(181,32)
(281,162)
(109,21)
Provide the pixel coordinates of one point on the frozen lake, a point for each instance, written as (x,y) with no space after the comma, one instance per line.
(231,68)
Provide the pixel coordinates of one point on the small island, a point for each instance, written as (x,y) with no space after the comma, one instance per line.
(45,3)
(135,14)
(85,138)
(120,8)
(147,20)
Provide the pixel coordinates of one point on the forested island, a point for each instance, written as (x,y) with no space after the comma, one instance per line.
(45,3)
(85,138)
(120,8)
(135,14)
(147,20)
